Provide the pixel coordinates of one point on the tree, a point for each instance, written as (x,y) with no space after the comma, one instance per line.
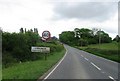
(17,46)
(31,30)
(21,30)
(95,30)
(85,33)
(103,37)
(117,38)
(77,33)
(83,42)
(35,30)
(68,37)
(25,30)
(84,36)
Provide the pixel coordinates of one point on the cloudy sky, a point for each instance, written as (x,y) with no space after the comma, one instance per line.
(59,15)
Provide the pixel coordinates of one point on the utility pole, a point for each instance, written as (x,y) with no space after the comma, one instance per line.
(95,30)
(99,37)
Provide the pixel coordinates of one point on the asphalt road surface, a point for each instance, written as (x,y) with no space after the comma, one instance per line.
(77,64)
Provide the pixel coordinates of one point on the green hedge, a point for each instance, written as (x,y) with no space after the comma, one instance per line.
(109,54)
(53,47)
(17,47)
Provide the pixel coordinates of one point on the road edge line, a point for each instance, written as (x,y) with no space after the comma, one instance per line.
(56,66)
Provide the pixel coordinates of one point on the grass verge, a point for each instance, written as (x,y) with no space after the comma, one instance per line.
(31,70)
(108,54)
(108,51)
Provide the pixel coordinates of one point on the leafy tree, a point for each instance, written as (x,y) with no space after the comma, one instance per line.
(77,33)
(84,36)
(68,37)
(103,37)
(31,30)
(117,38)
(21,30)
(25,30)
(35,30)
(85,33)
(18,46)
(83,42)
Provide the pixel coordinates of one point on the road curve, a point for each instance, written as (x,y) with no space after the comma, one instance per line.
(78,64)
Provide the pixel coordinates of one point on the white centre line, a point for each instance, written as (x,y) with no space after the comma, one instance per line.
(95,66)
(103,72)
(81,55)
(112,78)
(86,59)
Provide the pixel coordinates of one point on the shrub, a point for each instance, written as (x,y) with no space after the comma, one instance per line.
(110,54)
(7,59)
(53,47)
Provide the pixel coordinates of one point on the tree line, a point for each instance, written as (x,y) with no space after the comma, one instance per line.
(16,46)
(84,37)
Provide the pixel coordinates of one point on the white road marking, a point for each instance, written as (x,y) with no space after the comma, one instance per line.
(81,55)
(95,66)
(86,59)
(112,78)
(102,58)
(56,66)
(103,72)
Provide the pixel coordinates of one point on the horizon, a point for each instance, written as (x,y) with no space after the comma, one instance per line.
(56,16)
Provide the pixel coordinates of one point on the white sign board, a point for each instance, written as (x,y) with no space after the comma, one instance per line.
(40,49)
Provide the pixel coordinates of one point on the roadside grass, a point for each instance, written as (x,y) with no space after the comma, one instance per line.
(107,50)
(31,70)
(0,71)
(106,46)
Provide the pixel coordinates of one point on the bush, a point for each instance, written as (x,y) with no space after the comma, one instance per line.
(109,54)
(53,47)
(102,51)
(21,54)
(7,59)
(18,45)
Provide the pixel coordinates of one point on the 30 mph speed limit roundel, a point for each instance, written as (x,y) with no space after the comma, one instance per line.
(46,35)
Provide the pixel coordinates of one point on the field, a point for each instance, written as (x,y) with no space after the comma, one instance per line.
(106,50)
(31,70)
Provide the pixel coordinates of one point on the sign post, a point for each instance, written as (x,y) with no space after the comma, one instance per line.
(45,56)
(45,36)
(44,50)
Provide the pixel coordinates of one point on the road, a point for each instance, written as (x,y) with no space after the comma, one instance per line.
(77,64)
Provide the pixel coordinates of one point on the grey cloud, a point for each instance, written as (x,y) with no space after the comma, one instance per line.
(119,18)
(119,11)
(96,11)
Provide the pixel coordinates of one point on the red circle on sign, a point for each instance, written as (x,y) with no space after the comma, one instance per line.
(46,35)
